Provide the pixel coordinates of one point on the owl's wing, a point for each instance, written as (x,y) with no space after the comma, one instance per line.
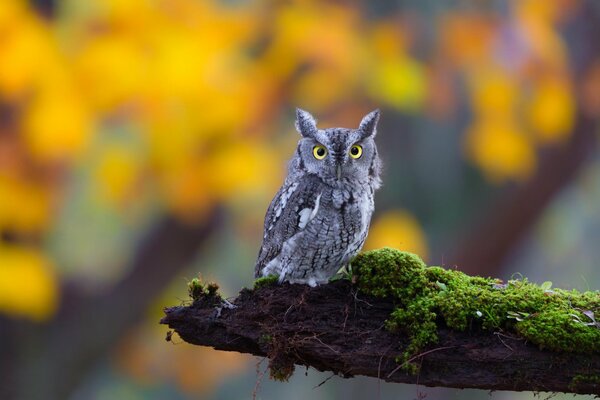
(294,205)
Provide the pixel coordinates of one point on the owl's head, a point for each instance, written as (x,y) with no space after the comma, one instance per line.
(338,155)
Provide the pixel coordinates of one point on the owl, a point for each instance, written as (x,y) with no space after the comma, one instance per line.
(319,218)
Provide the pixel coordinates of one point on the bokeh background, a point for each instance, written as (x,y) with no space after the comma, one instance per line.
(142,140)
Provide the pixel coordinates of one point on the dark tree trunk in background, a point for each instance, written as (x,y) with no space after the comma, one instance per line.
(47,8)
(48,362)
(507,221)
(498,232)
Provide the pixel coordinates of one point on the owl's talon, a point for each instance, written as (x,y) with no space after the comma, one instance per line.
(224,304)
(228,305)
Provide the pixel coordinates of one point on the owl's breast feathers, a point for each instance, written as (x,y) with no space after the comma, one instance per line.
(340,217)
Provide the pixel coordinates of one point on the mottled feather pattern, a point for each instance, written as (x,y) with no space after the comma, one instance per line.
(319,218)
(279,228)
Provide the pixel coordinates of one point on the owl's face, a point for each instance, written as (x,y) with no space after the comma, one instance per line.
(338,154)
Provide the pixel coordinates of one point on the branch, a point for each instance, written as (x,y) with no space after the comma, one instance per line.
(335,328)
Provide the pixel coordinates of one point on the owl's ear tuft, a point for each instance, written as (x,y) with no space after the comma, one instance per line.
(368,125)
(306,124)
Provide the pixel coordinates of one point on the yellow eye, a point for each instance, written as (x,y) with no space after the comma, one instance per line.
(319,151)
(356,151)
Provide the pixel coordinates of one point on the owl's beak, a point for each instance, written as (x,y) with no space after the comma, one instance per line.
(339,171)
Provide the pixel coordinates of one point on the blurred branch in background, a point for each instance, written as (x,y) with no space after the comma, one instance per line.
(86,327)
(516,209)
(508,219)
(46,8)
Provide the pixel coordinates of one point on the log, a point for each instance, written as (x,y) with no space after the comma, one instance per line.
(335,327)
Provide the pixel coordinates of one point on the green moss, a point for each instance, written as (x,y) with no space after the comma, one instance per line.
(424,296)
(390,273)
(198,289)
(265,339)
(264,281)
(195,288)
(281,373)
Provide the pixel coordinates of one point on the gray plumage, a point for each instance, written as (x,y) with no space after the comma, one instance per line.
(319,218)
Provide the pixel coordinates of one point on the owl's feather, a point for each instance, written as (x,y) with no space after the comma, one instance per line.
(293,207)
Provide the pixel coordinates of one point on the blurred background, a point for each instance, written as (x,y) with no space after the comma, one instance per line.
(141,142)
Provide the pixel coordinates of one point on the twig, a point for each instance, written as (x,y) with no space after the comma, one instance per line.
(322,383)
(413,358)
(259,378)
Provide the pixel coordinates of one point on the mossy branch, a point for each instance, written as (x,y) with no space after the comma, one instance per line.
(401,321)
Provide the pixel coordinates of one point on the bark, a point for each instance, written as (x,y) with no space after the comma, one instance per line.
(334,328)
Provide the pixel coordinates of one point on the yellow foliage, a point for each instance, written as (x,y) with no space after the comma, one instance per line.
(399,81)
(551,111)
(12,11)
(57,127)
(119,13)
(204,54)
(28,285)
(117,173)
(25,47)
(501,149)
(24,206)
(56,124)
(387,40)
(536,19)
(204,80)
(112,70)
(396,78)
(398,229)
(173,137)
(465,38)
(181,65)
(238,170)
(306,28)
(494,92)
(303,36)
(546,11)
(185,189)
(321,88)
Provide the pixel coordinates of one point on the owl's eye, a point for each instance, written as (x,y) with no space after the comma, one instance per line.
(356,151)
(319,151)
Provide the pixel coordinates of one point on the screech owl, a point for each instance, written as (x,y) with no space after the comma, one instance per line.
(319,218)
